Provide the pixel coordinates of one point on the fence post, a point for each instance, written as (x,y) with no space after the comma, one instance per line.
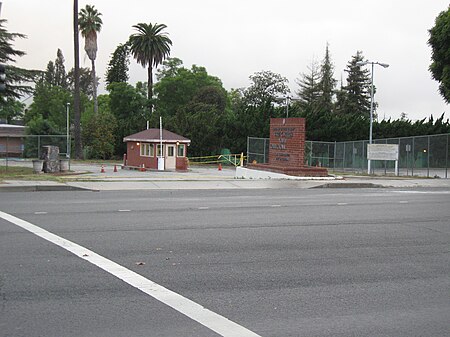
(7,144)
(446,158)
(39,147)
(428,157)
(343,159)
(334,156)
(413,157)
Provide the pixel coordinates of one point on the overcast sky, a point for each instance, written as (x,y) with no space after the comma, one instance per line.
(235,38)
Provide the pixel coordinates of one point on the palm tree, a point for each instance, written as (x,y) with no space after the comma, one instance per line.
(90,24)
(150,46)
(76,98)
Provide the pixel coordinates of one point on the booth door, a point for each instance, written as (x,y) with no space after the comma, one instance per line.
(170,157)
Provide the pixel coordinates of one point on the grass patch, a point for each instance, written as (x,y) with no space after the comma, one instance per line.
(14,171)
(25,173)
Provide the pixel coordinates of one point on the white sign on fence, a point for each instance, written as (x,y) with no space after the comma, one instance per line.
(382,151)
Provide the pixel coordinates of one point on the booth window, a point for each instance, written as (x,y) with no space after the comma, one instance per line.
(180,150)
(158,151)
(147,150)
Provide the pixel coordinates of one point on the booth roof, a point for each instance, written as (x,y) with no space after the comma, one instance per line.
(7,130)
(152,136)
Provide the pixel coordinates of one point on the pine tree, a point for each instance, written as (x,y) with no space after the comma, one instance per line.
(357,90)
(118,65)
(310,89)
(327,82)
(17,79)
(60,70)
(56,72)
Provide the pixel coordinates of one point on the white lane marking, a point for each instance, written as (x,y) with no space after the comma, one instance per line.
(403,202)
(342,203)
(205,207)
(124,210)
(275,205)
(215,322)
(422,192)
(38,213)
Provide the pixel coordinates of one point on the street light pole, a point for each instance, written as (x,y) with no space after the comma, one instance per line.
(67,132)
(384,65)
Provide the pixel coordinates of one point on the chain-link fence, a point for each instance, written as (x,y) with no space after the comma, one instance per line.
(30,146)
(426,156)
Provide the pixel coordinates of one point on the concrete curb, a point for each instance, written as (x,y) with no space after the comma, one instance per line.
(39,188)
(350,185)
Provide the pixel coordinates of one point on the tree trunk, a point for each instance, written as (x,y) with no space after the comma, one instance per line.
(76,99)
(150,89)
(94,87)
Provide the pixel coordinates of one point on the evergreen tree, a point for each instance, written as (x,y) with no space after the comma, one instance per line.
(310,89)
(56,72)
(60,70)
(99,131)
(341,97)
(49,75)
(16,78)
(357,90)
(327,83)
(118,65)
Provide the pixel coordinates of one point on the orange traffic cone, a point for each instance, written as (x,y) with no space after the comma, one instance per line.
(220,167)
(103,169)
(115,168)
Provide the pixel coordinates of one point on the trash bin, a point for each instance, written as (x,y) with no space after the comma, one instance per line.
(37,165)
(64,165)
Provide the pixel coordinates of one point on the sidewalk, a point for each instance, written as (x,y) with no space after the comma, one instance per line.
(90,177)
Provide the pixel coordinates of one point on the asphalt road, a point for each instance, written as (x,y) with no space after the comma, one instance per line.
(278,262)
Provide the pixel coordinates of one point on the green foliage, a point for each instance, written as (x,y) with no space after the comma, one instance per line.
(439,42)
(17,79)
(202,120)
(150,46)
(405,128)
(86,85)
(310,90)
(266,88)
(249,110)
(127,104)
(327,82)
(355,96)
(56,72)
(11,110)
(90,24)
(99,135)
(49,105)
(118,65)
(178,86)
(170,68)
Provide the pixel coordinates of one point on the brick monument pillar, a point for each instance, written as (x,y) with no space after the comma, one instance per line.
(287,149)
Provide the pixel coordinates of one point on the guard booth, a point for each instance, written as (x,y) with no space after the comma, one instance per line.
(146,148)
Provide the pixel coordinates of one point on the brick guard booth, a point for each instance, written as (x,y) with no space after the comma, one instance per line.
(287,150)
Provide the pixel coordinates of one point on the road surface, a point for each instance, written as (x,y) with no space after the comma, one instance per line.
(275,262)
